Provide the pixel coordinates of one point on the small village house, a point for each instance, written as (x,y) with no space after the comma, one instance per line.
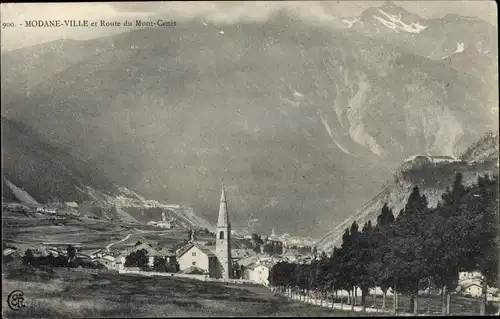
(8,251)
(151,254)
(258,272)
(72,205)
(165,224)
(98,253)
(472,289)
(469,275)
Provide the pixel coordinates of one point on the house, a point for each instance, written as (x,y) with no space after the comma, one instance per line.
(198,256)
(472,289)
(151,254)
(109,258)
(102,263)
(8,251)
(469,275)
(257,272)
(241,253)
(290,256)
(164,224)
(120,263)
(98,253)
(54,253)
(431,158)
(72,204)
(168,255)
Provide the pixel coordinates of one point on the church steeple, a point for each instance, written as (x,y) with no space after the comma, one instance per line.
(223,238)
(223,214)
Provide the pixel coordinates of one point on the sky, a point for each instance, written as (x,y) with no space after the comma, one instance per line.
(211,12)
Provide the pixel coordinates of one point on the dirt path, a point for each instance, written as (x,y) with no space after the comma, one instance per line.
(116,242)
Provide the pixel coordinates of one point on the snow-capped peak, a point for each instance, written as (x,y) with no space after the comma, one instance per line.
(460,47)
(394,22)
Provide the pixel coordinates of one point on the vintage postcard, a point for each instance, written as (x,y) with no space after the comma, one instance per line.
(256,158)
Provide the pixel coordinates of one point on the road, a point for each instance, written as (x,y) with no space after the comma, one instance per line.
(152,231)
(139,232)
(116,242)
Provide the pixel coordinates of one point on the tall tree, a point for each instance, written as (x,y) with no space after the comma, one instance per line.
(481,229)
(443,246)
(365,262)
(381,236)
(407,244)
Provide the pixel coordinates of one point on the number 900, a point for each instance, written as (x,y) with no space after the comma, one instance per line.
(7,25)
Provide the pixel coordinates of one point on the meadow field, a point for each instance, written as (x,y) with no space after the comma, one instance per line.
(90,234)
(65,294)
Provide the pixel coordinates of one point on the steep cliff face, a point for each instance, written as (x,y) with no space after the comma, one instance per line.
(284,113)
(433,175)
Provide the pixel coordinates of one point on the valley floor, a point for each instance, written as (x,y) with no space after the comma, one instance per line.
(65,294)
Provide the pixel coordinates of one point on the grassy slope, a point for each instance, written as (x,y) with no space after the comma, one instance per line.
(80,295)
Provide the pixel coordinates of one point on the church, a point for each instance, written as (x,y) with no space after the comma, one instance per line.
(216,261)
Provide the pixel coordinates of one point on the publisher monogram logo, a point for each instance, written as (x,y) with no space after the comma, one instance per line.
(15,300)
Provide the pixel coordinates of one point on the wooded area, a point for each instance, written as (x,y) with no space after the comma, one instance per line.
(422,248)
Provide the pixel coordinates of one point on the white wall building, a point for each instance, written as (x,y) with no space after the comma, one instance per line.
(473,289)
(258,273)
(164,224)
(198,256)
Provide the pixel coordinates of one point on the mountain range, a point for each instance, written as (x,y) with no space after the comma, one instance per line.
(303,122)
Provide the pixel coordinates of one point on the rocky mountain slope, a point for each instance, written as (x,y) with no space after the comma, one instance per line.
(431,174)
(302,122)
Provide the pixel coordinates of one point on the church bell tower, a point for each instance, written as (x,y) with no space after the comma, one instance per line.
(223,238)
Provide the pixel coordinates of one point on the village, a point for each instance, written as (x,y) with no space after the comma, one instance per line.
(247,258)
(227,256)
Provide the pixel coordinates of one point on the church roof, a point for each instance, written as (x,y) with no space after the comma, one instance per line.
(223,214)
(187,248)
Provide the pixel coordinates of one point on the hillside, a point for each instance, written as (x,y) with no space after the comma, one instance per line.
(300,122)
(431,178)
(35,171)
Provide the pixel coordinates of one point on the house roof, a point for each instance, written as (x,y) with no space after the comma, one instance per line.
(152,251)
(203,249)
(8,251)
(194,270)
(102,250)
(184,249)
(470,284)
(242,253)
(257,264)
(247,261)
(252,265)
(163,252)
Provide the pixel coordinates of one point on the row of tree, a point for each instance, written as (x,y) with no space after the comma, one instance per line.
(422,248)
